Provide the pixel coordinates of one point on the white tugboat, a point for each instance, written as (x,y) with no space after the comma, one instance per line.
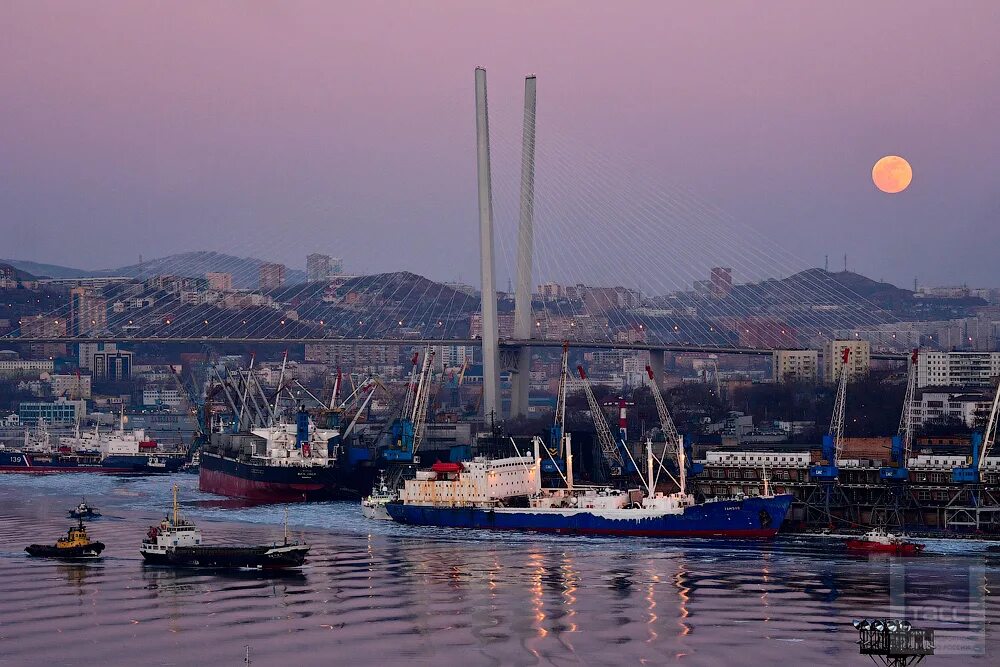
(373,507)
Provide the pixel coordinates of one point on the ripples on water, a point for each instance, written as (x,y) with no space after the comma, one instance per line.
(377,593)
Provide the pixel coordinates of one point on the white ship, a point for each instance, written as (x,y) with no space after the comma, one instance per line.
(373,507)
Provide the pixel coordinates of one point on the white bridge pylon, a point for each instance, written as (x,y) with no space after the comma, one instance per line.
(519,362)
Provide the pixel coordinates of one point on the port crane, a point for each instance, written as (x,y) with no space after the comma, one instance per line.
(897,502)
(984,509)
(609,448)
(558,438)
(902,442)
(407,431)
(833,441)
(981,443)
(827,495)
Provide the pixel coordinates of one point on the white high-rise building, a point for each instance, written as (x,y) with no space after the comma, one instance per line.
(957,369)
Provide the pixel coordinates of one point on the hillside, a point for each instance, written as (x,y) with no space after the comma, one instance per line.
(18,274)
(406,288)
(844,287)
(195,264)
(40,270)
(245,270)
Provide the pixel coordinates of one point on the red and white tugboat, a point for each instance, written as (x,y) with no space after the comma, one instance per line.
(878,541)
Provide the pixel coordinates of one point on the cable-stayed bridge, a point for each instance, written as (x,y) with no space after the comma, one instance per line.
(580,219)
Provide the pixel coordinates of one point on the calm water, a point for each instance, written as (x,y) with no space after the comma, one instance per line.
(374,593)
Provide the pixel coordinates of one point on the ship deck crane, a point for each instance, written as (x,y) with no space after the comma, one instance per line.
(371,384)
(673,441)
(902,442)
(609,448)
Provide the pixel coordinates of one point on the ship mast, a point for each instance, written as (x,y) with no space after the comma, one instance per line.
(175,505)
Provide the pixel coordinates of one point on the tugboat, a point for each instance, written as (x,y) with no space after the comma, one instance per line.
(881,542)
(75,546)
(84,511)
(373,506)
(176,542)
(193,467)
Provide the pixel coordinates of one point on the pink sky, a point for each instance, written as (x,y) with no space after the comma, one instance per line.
(280,128)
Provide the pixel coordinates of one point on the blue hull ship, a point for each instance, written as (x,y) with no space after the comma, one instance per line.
(753,517)
(24,462)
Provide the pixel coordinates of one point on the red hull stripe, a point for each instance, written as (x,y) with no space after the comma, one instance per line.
(37,470)
(753,533)
(219,483)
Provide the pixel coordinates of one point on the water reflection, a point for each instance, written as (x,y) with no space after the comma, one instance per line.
(76,575)
(376,593)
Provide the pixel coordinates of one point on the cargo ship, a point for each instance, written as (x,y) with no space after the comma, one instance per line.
(506,494)
(118,452)
(285,462)
(177,542)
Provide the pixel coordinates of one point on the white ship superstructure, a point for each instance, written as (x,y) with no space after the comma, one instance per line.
(281,446)
(373,506)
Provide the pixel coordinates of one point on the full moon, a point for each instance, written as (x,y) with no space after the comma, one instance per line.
(892,174)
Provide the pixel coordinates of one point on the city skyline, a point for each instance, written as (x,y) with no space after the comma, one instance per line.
(243,129)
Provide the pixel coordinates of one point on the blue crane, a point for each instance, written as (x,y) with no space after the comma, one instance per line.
(833,441)
(981,443)
(902,442)
(407,430)
(556,461)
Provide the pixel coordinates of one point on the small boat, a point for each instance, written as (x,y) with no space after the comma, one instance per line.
(84,511)
(177,542)
(75,546)
(373,506)
(193,467)
(882,542)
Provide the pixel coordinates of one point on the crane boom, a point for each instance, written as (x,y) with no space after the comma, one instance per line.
(411,386)
(370,382)
(281,381)
(422,400)
(612,456)
(335,394)
(559,420)
(666,421)
(906,418)
(836,432)
(990,434)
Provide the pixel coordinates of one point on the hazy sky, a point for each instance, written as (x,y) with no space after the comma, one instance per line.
(276,129)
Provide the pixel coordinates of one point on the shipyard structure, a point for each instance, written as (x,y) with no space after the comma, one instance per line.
(929,497)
